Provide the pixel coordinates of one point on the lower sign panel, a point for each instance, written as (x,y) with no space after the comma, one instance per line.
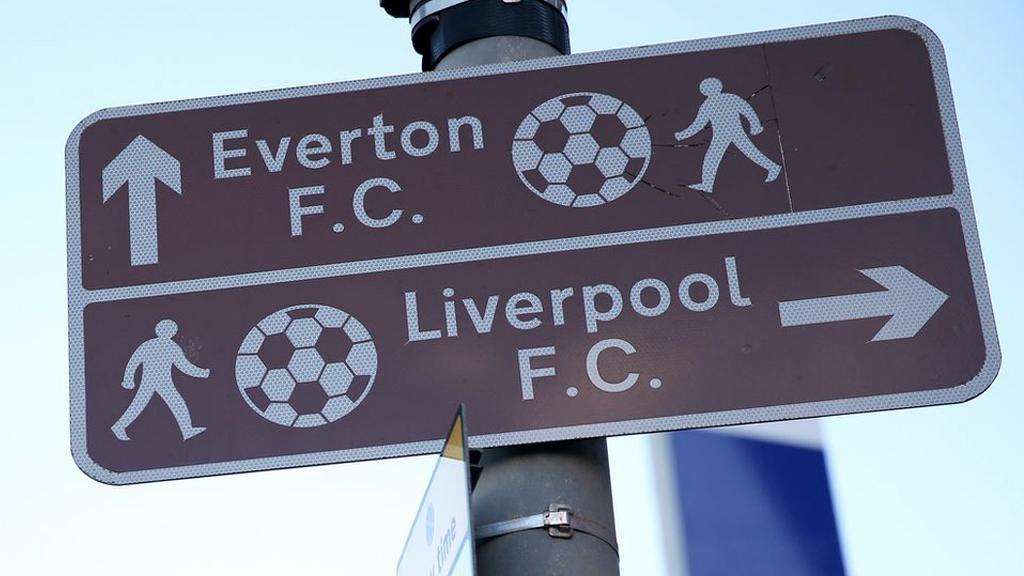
(826,318)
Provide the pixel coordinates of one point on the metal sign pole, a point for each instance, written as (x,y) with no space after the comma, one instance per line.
(541,508)
(546,509)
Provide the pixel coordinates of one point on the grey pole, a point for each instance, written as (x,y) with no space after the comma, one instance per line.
(518,482)
(496,49)
(547,508)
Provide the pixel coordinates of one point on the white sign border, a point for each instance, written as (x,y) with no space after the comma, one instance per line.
(960,200)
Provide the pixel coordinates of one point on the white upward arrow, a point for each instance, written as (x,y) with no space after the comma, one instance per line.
(907,298)
(140,165)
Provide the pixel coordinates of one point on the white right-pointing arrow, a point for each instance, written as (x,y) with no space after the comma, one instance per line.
(140,165)
(907,298)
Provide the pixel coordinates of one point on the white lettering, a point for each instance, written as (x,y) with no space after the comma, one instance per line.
(379,131)
(636,297)
(432,139)
(274,162)
(297,210)
(412,320)
(313,145)
(558,298)
(359,203)
(513,310)
(482,324)
(220,155)
(590,311)
(527,372)
(689,302)
(735,294)
(595,374)
(454,140)
(346,137)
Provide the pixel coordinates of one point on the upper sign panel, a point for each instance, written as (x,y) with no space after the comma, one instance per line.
(440,162)
(759,227)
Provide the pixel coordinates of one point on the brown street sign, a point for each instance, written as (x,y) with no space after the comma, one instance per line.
(759,227)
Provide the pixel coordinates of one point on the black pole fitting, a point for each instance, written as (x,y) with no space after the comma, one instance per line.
(435,34)
(396,8)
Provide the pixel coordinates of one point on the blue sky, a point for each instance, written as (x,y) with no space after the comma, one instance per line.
(931,491)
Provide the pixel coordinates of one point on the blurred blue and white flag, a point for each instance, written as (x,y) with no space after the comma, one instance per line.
(748,500)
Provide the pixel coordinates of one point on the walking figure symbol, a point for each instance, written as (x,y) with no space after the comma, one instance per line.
(725,113)
(159,357)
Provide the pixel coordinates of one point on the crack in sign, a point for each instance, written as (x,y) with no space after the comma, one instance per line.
(758,91)
(706,197)
(684,145)
(654,186)
(778,127)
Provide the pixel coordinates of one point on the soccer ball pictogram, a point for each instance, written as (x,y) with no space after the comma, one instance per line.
(583,149)
(305,366)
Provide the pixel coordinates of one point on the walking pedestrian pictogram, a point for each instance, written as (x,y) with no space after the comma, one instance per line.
(159,357)
(725,113)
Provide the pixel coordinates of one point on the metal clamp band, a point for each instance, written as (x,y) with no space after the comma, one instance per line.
(441,26)
(429,7)
(560,522)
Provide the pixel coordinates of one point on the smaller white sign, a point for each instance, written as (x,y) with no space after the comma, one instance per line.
(440,542)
